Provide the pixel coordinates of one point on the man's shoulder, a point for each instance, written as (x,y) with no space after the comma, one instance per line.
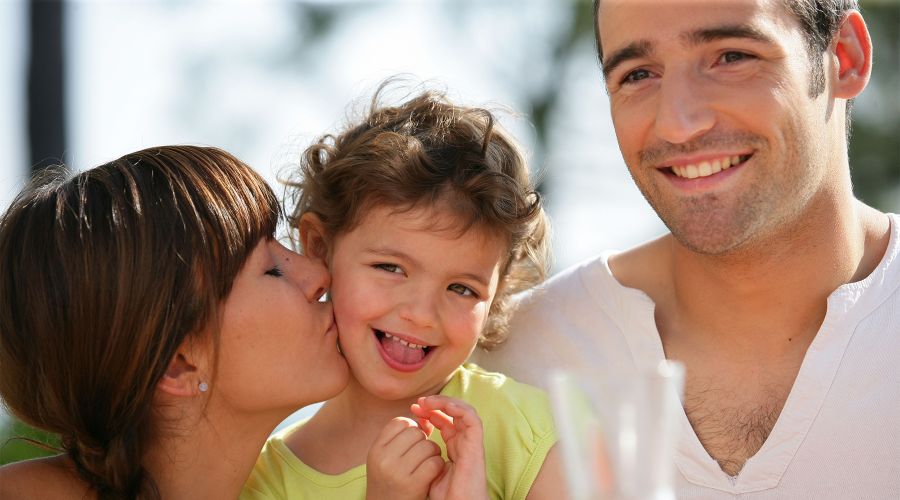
(604,282)
(569,284)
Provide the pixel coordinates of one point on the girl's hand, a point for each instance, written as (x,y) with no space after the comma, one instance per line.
(464,476)
(402,463)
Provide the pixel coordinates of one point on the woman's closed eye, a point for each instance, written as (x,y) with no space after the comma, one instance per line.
(462,290)
(275,271)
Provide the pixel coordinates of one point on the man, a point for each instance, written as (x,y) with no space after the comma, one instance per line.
(776,288)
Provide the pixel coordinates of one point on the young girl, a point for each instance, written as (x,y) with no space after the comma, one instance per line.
(427,220)
(149,318)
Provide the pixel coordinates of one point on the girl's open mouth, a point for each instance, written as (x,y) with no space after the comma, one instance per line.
(401,354)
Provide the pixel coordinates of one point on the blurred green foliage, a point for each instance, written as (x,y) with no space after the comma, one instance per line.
(874,142)
(15,444)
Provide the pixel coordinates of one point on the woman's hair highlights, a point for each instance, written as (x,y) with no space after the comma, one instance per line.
(103,274)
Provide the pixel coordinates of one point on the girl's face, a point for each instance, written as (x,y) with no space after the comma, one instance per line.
(278,347)
(410,298)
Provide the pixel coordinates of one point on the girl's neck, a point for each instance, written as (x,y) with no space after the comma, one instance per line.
(338,437)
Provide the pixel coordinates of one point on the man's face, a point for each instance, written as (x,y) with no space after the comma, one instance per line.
(711,106)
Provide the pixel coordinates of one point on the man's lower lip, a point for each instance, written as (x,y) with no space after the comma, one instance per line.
(396,365)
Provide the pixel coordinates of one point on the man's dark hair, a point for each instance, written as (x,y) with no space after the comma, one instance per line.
(820,21)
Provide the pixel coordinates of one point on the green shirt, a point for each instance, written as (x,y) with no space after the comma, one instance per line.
(518,433)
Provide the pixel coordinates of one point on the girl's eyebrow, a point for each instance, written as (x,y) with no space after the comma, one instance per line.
(397,254)
(390,252)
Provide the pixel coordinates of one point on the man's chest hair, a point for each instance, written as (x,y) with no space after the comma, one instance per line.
(732,424)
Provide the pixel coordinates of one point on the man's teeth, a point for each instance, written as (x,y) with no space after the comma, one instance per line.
(403,342)
(706,168)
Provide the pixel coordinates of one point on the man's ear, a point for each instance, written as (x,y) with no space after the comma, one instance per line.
(853,51)
(313,237)
(183,375)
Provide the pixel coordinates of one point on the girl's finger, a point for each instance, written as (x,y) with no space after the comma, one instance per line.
(455,408)
(426,426)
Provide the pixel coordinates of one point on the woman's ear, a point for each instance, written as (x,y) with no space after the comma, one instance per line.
(183,376)
(853,54)
(313,237)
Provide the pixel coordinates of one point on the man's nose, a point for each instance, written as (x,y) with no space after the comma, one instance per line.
(683,110)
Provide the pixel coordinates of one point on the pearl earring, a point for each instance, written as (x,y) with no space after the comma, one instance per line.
(203,387)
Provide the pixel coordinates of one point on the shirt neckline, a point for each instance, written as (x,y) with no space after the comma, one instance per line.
(846,305)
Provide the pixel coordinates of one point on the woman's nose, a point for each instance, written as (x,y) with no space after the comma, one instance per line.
(316,278)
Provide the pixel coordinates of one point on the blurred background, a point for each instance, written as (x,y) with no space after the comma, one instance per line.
(84,82)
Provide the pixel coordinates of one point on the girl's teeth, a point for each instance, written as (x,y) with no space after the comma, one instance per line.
(403,342)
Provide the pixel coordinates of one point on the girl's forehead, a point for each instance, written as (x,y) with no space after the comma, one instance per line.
(439,218)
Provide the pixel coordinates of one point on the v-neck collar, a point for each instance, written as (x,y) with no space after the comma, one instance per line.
(847,305)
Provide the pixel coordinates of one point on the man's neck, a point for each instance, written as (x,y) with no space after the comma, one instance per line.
(773,293)
(742,323)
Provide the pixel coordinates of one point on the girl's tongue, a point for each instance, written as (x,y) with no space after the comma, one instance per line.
(401,353)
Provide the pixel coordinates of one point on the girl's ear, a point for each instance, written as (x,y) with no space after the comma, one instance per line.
(313,237)
(853,53)
(183,375)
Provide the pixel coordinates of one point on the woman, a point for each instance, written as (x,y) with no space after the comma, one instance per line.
(149,318)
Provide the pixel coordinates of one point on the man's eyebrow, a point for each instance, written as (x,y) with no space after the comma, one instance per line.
(633,50)
(707,35)
(643,48)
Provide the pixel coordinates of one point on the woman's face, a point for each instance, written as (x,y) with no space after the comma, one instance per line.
(278,344)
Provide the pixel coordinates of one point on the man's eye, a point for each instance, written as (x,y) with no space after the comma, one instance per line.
(636,76)
(731,57)
(391,268)
(275,271)
(462,290)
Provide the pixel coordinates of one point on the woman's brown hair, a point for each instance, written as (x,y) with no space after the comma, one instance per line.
(103,274)
(428,151)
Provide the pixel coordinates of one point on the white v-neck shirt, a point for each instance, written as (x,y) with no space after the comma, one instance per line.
(838,435)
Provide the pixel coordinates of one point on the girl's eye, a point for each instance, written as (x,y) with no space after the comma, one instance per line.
(275,271)
(636,76)
(391,268)
(462,290)
(732,57)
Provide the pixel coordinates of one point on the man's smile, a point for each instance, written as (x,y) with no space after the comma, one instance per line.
(705,168)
